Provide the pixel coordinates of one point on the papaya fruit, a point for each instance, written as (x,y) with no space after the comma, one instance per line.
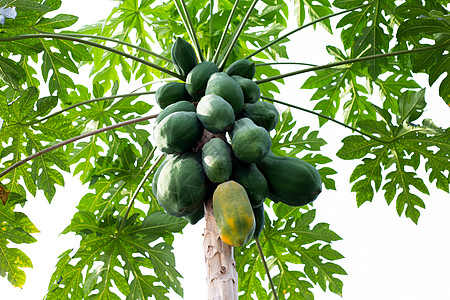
(252,180)
(222,85)
(198,77)
(174,107)
(171,92)
(183,56)
(181,185)
(242,67)
(291,180)
(262,113)
(215,113)
(233,214)
(251,90)
(259,220)
(195,217)
(216,160)
(178,132)
(250,143)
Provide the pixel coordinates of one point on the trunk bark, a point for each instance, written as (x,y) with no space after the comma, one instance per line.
(221,275)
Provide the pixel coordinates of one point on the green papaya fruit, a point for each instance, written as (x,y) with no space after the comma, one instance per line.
(171,92)
(215,113)
(183,56)
(222,85)
(216,160)
(291,180)
(174,107)
(181,185)
(178,132)
(198,77)
(262,113)
(242,67)
(250,143)
(251,90)
(252,180)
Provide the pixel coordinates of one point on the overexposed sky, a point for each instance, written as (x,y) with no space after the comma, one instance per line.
(387,257)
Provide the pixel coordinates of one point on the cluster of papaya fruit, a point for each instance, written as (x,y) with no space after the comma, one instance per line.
(216,134)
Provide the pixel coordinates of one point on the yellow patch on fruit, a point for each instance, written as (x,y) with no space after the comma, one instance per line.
(233,213)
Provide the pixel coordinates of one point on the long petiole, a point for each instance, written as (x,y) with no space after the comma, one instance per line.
(236,35)
(284,63)
(74,139)
(325,117)
(263,259)
(91,101)
(225,30)
(90,43)
(141,184)
(97,37)
(187,21)
(352,61)
(278,40)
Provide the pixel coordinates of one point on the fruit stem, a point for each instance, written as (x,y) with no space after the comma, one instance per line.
(224,33)
(141,184)
(261,253)
(90,43)
(71,140)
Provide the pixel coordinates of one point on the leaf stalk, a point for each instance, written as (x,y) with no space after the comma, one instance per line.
(266,268)
(352,61)
(74,139)
(278,40)
(141,184)
(187,21)
(236,35)
(325,117)
(225,30)
(98,37)
(90,43)
(90,101)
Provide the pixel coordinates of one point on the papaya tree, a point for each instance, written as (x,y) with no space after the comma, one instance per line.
(126,106)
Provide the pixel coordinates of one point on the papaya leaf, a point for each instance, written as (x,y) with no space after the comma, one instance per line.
(387,163)
(11,72)
(114,178)
(109,112)
(314,9)
(392,88)
(121,259)
(15,227)
(422,23)
(291,243)
(371,25)
(340,83)
(30,137)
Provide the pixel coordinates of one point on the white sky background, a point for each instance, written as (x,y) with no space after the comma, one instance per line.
(387,257)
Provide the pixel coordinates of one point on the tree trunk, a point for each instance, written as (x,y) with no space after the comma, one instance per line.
(221,275)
